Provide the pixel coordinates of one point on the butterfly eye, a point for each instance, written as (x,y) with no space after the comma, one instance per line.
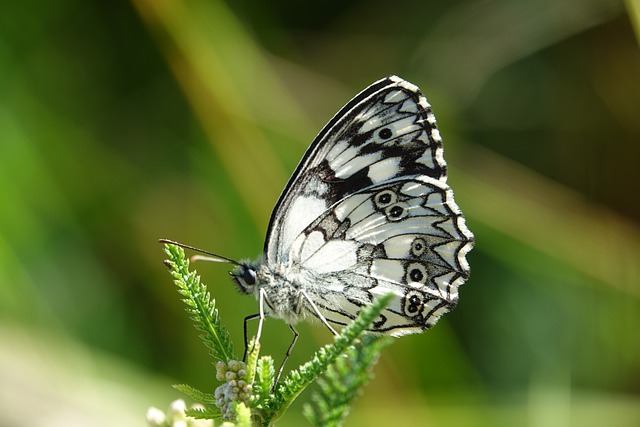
(396,212)
(249,276)
(385,198)
(418,247)
(413,303)
(416,273)
(385,133)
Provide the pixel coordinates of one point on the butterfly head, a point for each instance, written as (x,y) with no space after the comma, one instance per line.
(245,277)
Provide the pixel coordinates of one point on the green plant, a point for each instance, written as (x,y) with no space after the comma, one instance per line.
(248,395)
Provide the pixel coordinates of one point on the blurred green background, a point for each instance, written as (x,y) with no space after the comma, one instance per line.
(124,122)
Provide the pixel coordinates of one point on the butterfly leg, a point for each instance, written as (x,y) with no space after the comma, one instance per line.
(246,337)
(262,316)
(317,312)
(286,356)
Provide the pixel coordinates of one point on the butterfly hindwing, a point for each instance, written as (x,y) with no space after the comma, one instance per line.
(405,236)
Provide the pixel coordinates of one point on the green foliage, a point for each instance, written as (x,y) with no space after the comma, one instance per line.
(342,382)
(203,413)
(265,376)
(248,393)
(195,394)
(243,418)
(200,305)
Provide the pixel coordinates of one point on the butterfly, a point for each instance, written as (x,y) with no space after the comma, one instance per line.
(367,212)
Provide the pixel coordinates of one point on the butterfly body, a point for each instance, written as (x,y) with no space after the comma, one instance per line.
(367,212)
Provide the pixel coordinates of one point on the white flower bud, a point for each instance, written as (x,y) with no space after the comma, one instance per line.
(155,417)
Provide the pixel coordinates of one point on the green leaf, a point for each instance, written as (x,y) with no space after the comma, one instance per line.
(195,394)
(265,375)
(252,360)
(200,305)
(342,382)
(203,414)
(243,416)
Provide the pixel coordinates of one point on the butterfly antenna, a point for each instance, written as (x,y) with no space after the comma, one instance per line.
(210,256)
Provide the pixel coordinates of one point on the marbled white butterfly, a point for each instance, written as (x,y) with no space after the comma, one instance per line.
(367,212)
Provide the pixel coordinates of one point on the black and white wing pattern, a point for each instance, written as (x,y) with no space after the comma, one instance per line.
(367,212)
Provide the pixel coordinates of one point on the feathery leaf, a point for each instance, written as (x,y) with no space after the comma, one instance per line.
(200,305)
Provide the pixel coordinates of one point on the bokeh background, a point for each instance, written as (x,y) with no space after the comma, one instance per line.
(124,122)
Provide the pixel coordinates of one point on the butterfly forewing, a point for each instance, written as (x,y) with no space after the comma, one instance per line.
(387,130)
(368,212)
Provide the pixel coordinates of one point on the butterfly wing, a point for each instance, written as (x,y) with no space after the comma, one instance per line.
(368,212)
(405,236)
(387,130)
